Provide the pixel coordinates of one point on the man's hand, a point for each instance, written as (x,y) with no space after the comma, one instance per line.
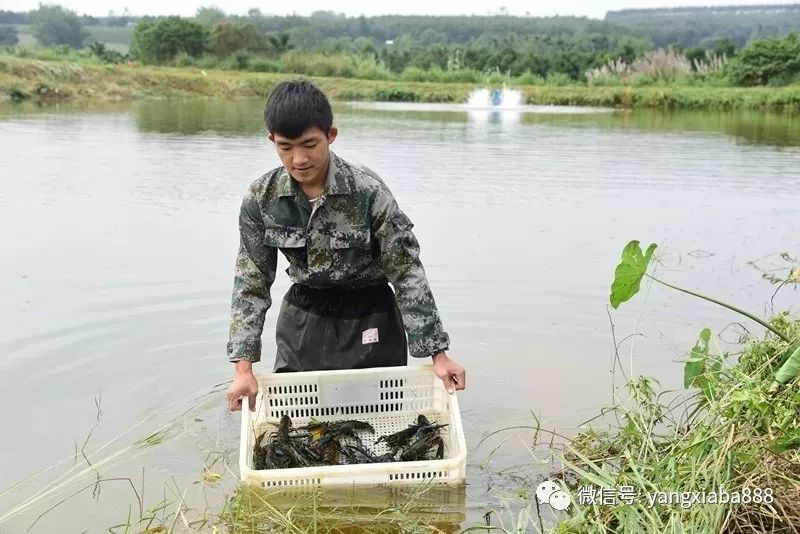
(449,371)
(244,384)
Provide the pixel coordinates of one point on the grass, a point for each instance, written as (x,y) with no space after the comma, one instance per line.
(253,510)
(46,79)
(738,434)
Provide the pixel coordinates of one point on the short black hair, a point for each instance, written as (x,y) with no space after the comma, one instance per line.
(293,106)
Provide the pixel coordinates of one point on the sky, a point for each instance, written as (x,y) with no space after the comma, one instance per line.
(594,9)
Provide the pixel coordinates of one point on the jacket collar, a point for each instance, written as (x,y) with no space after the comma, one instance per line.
(338,182)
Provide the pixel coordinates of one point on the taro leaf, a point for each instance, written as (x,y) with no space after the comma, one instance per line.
(790,368)
(790,440)
(695,366)
(629,272)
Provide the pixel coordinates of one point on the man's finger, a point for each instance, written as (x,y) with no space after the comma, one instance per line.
(449,384)
(461,380)
(234,404)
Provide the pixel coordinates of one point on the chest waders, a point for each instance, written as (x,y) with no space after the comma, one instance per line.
(332,328)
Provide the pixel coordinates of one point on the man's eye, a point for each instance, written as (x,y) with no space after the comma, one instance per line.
(310,145)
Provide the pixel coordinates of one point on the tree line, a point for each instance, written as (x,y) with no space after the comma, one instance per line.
(455,48)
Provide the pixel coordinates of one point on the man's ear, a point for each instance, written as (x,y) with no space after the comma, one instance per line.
(332,133)
(270,136)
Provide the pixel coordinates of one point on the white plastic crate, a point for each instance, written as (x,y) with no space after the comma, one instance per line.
(389,398)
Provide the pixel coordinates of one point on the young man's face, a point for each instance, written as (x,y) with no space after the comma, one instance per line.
(305,157)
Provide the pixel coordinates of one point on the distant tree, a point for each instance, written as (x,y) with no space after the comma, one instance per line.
(724,47)
(209,16)
(279,43)
(365,46)
(768,61)
(254,13)
(429,36)
(363,26)
(227,38)
(8,36)
(160,41)
(695,55)
(11,17)
(629,49)
(104,54)
(54,25)
(325,15)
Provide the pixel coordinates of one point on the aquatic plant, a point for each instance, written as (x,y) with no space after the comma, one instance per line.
(735,432)
(633,267)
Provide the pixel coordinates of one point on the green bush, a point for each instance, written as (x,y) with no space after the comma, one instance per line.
(610,80)
(354,95)
(559,79)
(766,62)
(228,38)
(208,61)
(8,36)
(104,54)
(366,68)
(241,60)
(396,94)
(184,60)
(437,74)
(414,74)
(339,65)
(163,40)
(528,78)
(464,76)
(496,79)
(265,65)
(17,95)
(640,80)
(54,25)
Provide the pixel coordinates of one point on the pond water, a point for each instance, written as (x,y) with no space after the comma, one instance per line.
(119,232)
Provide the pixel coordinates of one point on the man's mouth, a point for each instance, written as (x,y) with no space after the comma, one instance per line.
(302,168)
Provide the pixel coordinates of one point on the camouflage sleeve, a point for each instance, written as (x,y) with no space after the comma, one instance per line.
(399,256)
(254,274)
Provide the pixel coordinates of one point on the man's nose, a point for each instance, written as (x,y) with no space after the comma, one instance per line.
(300,157)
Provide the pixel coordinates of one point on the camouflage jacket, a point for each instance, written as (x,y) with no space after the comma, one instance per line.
(355,236)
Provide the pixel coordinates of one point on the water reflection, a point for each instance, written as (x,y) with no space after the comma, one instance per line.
(495,116)
(364,509)
(235,117)
(245,116)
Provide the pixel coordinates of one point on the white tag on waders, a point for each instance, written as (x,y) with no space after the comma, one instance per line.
(369,336)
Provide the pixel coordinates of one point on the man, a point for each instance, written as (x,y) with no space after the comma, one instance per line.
(345,238)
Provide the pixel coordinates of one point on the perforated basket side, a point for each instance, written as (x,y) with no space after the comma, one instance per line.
(388,398)
(322,394)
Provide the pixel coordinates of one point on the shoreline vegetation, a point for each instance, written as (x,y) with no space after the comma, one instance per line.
(721,58)
(721,455)
(50,81)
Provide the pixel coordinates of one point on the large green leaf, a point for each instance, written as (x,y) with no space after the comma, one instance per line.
(790,368)
(630,271)
(695,366)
